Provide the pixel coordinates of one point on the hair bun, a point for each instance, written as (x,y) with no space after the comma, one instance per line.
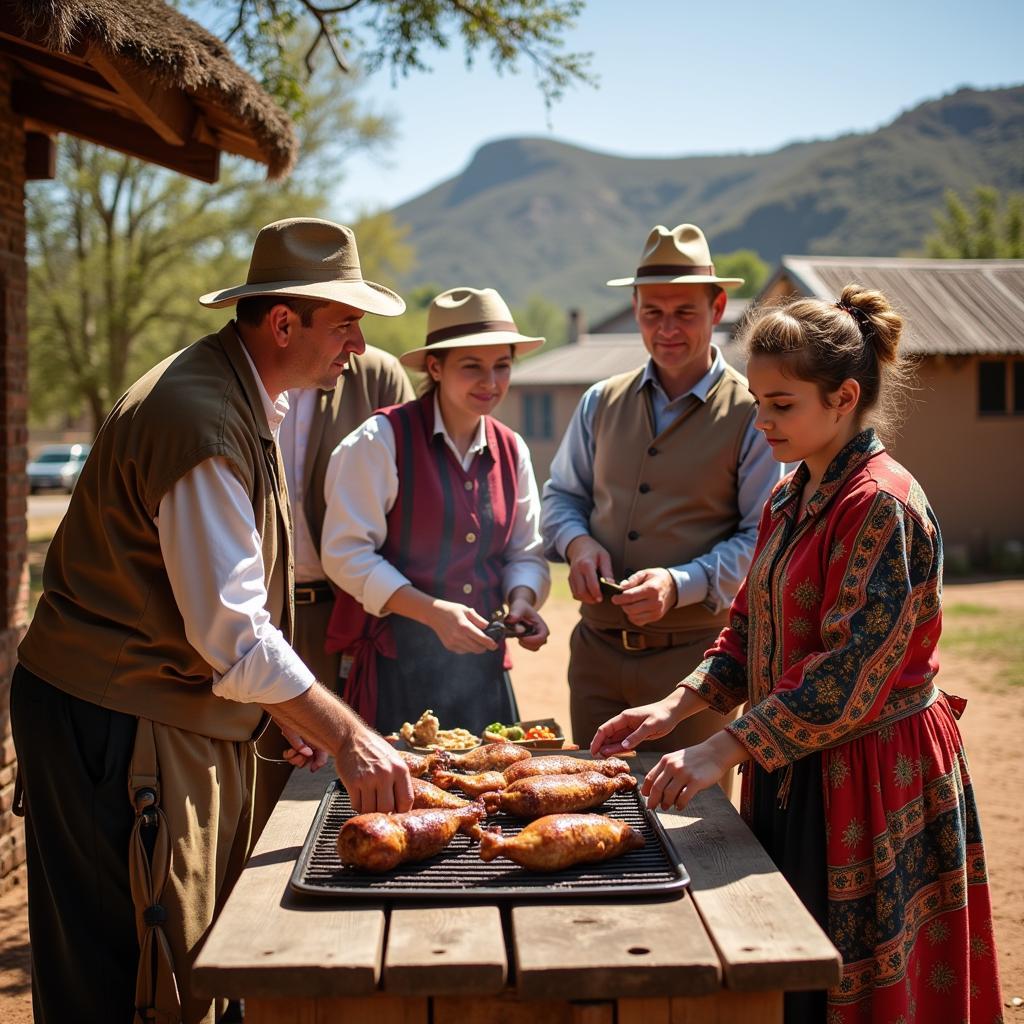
(886,323)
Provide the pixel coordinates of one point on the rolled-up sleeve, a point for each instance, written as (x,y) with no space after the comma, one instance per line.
(214,561)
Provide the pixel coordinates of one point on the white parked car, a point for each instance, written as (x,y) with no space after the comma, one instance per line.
(57,466)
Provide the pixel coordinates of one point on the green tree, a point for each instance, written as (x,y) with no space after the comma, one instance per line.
(397,34)
(743,263)
(119,251)
(541,318)
(992,229)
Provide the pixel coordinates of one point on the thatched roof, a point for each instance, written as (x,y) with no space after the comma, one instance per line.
(952,307)
(151,38)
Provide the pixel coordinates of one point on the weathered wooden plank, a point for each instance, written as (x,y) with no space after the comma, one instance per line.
(610,950)
(764,935)
(280,1011)
(445,951)
(266,944)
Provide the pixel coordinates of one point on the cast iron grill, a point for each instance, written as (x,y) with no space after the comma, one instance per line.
(459,871)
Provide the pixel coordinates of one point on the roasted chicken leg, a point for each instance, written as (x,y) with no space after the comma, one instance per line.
(426,794)
(556,794)
(490,757)
(561,840)
(560,764)
(379,842)
(417,764)
(474,785)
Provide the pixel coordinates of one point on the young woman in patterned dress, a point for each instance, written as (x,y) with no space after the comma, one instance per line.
(855,778)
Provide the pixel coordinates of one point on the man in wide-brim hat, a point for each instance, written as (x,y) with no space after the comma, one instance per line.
(658,485)
(161,641)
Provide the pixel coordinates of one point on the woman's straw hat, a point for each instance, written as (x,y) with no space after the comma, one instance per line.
(466,317)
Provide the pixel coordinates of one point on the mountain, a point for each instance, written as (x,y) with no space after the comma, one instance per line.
(533,216)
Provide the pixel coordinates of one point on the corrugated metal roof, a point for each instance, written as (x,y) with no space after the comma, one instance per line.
(952,307)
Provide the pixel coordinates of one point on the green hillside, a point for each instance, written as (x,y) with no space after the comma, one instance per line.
(532,216)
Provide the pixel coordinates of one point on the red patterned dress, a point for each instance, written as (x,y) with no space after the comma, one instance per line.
(832,639)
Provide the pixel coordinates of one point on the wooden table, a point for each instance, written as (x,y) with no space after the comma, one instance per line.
(722,952)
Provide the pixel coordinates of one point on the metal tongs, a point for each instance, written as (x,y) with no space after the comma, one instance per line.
(498,629)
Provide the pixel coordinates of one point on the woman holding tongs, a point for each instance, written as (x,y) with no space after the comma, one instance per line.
(437,549)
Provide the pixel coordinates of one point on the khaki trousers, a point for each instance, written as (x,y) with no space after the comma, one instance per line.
(205,797)
(605,679)
(310,631)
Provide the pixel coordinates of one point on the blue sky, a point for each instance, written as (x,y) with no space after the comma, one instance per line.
(678,79)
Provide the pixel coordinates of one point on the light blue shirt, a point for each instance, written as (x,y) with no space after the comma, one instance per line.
(712,578)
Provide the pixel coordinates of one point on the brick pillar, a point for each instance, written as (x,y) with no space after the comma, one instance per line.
(13,411)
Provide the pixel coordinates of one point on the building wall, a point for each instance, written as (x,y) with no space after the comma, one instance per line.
(971,466)
(13,408)
(564,399)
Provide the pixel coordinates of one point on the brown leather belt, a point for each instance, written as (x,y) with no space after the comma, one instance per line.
(313,593)
(635,640)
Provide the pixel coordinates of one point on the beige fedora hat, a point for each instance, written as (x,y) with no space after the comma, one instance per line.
(464,317)
(679,256)
(306,258)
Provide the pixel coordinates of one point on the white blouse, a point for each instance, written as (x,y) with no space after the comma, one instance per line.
(363,473)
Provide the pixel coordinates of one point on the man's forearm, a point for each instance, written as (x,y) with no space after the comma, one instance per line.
(318,717)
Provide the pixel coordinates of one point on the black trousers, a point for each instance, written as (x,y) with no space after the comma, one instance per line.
(74,757)
(795,840)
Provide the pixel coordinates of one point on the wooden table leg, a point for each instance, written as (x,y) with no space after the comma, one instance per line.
(724,1008)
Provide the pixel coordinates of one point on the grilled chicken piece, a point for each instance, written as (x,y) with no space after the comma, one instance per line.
(491,757)
(426,794)
(556,794)
(417,764)
(379,842)
(560,764)
(474,785)
(561,840)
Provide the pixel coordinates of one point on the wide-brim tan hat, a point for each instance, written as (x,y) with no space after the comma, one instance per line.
(307,258)
(679,256)
(467,317)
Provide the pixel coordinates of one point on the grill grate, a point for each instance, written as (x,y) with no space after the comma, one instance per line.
(652,869)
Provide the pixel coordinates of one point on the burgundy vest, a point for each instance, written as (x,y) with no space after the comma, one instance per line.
(448,529)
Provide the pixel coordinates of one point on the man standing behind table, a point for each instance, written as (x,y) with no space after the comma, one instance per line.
(161,639)
(659,484)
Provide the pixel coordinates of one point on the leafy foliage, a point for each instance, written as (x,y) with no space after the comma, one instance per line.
(991,230)
(398,34)
(743,263)
(119,251)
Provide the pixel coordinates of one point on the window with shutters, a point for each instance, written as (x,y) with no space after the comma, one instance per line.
(1001,387)
(538,416)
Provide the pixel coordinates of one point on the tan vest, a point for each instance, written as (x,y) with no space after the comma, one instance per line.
(664,500)
(372,381)
(107,628)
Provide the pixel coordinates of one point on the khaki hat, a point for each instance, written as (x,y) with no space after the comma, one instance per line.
(306,258)
(465,317)
(679,256)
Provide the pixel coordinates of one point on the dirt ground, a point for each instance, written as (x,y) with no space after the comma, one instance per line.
(992,726)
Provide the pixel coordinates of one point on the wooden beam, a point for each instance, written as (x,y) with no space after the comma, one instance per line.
(168,111)
(40,157)
(106,128)
(56,68)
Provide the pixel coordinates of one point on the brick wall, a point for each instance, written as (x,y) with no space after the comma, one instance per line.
(13,411)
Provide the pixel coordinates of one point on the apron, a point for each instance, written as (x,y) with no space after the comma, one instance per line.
(467,690)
